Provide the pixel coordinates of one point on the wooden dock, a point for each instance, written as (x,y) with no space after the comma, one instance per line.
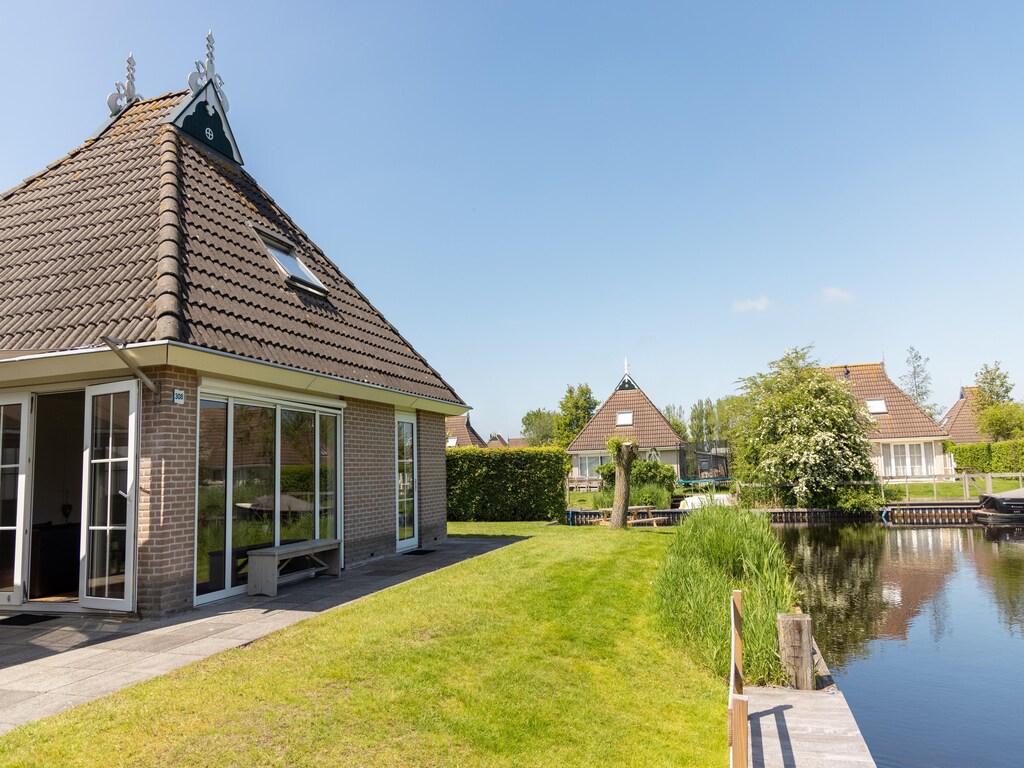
(803,729)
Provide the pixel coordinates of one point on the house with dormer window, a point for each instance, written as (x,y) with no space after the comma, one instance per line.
(186,379)
(905,440)
(630,413)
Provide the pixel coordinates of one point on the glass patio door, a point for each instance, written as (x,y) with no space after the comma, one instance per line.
(109,497)
(13,460)
(407,521)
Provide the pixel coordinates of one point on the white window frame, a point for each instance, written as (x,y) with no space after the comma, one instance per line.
(624,419)
(242,394)
(405,545)
(876,405)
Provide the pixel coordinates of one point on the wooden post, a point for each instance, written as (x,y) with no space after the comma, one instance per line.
(988,482)
(966,494)
(736,673)
(739,733)
(795,649)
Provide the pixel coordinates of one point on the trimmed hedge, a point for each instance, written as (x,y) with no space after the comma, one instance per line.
(1005,456)
(506,484)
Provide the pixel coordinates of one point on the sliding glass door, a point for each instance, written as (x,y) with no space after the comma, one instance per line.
(109,497)
(269,473)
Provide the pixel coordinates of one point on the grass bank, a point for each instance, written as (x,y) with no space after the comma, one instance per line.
(548,652)
(717,550)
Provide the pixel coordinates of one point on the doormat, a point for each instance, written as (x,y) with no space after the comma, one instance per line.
(25,619)
(421,552)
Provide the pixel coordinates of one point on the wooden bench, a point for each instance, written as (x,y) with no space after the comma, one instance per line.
(646,517)
(638,515)
(265,564)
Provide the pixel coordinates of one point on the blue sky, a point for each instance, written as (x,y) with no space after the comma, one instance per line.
(532,191)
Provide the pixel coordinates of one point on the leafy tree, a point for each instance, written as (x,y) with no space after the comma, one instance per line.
(803,434)
(539,427)
(728,414)
(702,424)
(994,386)
(1003,421)
(917,382)
(575,409)
(675,415)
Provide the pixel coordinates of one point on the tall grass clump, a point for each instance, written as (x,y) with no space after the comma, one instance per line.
(716,550)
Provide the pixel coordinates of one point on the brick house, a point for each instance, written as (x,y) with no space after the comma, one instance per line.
(961,420)
(905,440)
(630,413)
(460,433)
(185,376)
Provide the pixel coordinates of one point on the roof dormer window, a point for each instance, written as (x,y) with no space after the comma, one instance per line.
(292,267)
(624,419)
(876,406)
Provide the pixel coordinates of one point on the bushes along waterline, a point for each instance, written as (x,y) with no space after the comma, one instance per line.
(716,550)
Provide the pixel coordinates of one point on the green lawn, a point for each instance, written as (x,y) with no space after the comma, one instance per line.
(544,653)
(898,490)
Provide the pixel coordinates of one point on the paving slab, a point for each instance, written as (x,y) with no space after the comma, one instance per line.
(73,659)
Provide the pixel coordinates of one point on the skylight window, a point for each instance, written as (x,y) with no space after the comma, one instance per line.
(624,419)
(876,406)
(292,266)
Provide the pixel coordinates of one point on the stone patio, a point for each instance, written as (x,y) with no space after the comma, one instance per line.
(68,660)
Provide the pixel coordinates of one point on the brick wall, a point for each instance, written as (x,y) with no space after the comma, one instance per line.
(369,481)
(167,467)
(432,489)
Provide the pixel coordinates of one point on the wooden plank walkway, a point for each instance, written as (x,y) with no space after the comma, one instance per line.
(803,729)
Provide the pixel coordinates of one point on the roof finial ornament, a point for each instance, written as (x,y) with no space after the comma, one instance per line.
(206,73)
(627,366)
(124,92)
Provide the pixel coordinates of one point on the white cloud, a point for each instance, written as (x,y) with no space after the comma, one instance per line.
(760,304)
(833,295)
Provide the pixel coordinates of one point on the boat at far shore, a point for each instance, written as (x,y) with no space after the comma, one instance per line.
(1006,508)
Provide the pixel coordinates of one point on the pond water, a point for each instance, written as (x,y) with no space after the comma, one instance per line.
(923,629)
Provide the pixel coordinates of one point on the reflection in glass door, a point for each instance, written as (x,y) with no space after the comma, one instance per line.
(405,445)
(108,536)
(12,500)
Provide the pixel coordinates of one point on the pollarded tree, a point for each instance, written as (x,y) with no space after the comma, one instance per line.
(623,452)
(803,434)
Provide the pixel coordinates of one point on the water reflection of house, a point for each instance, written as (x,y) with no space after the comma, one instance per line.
(913,571)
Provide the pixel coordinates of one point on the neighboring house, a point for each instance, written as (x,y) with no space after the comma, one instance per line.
(497,441)
(961,421)
(518,442)
(905,441)
(185,376)
(630,413)
(460,433)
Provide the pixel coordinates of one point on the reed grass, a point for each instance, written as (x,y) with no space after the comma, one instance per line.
(716,550)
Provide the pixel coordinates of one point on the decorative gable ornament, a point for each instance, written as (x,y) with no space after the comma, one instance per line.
(204,116)
(124,93)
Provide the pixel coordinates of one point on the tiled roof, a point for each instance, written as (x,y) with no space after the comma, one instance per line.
(903,418)
(463,432)
(144,235)
(649,430)
(497,441)
(518,442)
(960,421)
